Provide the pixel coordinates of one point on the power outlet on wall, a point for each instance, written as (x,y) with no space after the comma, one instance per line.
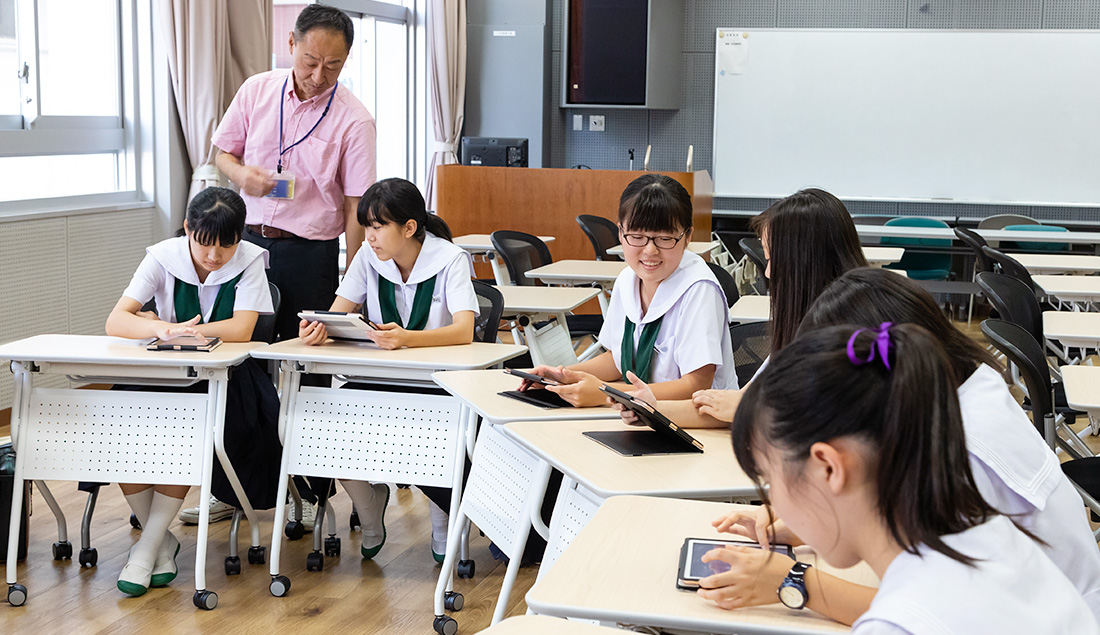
(595,123)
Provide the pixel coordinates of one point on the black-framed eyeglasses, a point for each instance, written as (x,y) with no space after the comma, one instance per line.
(641,240)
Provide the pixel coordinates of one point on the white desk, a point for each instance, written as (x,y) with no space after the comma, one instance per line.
(946,233)
(571,273)
(479,390)
(1080,292)
(482,245)
(551,344)
(751,308)
(878,256)
(178,433)
(697,247)
(1058,263)
(622,568)
(372,435)
(1072,329)
(542,625)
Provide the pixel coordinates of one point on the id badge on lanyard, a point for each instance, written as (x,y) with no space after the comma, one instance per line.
(284,186)
(284,181)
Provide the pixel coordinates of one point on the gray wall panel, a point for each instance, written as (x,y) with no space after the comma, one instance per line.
(847,14)
(975,14)
(1071,14)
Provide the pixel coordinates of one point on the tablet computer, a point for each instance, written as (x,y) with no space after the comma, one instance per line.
(663,437)
(692,568)
(538,397)
(342,326)
(531,377)
(185,343)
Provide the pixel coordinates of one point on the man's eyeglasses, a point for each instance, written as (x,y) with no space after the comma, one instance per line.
(641,240)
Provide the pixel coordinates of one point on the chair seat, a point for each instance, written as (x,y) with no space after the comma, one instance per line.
(584,324)
(1085,473)
(1061,406)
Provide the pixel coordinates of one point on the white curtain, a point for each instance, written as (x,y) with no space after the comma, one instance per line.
(446,82)
(213,46)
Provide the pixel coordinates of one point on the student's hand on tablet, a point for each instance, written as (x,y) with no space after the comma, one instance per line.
(720,404)
(553,372)
(757,525)
(312,333)
(580,388)
(388,336)
(170,330)
(752,580)
(641,391)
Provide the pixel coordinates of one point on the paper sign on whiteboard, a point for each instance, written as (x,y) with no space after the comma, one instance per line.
(733,53)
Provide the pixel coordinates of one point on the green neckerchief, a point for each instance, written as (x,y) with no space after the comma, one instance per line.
(422,303)
(642,363)
(186,300)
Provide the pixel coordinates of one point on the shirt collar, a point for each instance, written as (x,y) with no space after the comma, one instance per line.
(292,97)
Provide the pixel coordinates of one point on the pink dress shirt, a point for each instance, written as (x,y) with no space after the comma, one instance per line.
(337,160)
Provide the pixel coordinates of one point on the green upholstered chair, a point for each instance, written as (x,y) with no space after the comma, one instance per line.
(920,266)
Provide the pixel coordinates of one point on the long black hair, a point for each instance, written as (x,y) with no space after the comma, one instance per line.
(907,414)
(811,242)
(656,203)
(869,297)
(399,201)
(216,216)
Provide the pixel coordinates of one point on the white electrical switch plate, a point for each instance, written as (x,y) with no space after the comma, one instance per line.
(578,122)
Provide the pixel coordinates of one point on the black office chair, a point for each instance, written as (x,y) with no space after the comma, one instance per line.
(1027,354)
(726,281)
(1009,266)
(491,306)
(264,331)
(753,248)
(603,233)
(974,240)
(751,346)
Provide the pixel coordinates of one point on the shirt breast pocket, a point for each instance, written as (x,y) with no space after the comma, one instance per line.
(323,155)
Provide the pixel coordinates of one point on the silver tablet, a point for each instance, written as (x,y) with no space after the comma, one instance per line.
(341,326)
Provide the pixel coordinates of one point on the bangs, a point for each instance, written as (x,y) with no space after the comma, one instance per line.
(220,225)
(376,212)
(649,211)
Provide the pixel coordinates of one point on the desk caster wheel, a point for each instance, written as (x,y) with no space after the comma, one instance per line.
(280,586)
(332,546)
(445,625)
(17,595)
(453,601)
(134,522)
(232,565)
(205,600)
(63,550)
(257,555)
(353,520)
(295,530)
(465,569)
(88,557)
(315,561)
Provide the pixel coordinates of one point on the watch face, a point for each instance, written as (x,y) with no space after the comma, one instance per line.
(791,596)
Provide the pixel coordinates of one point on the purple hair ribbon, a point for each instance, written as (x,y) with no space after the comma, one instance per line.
(882,343)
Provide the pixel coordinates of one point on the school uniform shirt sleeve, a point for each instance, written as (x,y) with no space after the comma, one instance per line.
(149,278)
(354,285)
(701,327)
(253,292)
(876,627)
(459,287)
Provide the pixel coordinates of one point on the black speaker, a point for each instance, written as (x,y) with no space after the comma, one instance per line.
(607,52)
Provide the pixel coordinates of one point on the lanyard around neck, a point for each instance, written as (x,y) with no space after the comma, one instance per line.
(282,98)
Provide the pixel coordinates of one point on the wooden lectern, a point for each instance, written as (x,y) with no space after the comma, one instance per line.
(546,202)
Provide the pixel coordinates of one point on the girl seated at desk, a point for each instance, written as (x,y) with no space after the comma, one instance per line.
(857,434)
(667,318)
(1015,471)
(809,240)
(206,283)
(415,284)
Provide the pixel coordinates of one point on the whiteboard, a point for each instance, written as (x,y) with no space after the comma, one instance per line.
(968,116)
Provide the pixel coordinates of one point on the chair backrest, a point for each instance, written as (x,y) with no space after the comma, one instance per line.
(972,239)
(521,253)
(726,281)
(602,232)
(871,219)
(1010,266)
(490,303)
(751,346)
(1013,300)
(1036,246)
(264,331)
(913,262)
(754,249)
(1028,356)
(1000,221)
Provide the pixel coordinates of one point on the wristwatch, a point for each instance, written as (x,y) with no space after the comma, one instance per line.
(792,593)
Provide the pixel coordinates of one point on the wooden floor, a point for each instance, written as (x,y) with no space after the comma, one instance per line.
(391,594)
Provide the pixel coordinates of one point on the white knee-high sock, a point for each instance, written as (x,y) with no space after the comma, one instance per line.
(440,521)
(161,512)
(139,504)
(363,494)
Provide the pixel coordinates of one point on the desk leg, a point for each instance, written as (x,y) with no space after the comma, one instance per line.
(500,272)
(290,381)
(215,420)
(227,466)
(534,506)
(17,593)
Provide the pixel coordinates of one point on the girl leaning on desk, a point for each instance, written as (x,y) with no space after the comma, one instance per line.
(667,319)
(206,283)
(1014,470)
(415,284)
(855,437)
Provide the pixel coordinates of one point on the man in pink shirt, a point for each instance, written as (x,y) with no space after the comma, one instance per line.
(301,125)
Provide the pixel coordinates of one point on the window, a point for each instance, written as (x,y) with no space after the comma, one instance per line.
(68,112)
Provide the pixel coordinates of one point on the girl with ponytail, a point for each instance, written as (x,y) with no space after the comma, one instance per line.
(416,285)
(856,434)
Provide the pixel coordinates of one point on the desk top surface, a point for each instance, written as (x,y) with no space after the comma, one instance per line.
(478,389)
(461,357)
(1073,237)
(1068,285)
(713,473)
(1082,384)
(103,349)
(483,243)
(751,308)
(1058,262)
(545,299)
(543,625)
(1071,324)
(698,247)
(622,567)
(883,255)
(584,270)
